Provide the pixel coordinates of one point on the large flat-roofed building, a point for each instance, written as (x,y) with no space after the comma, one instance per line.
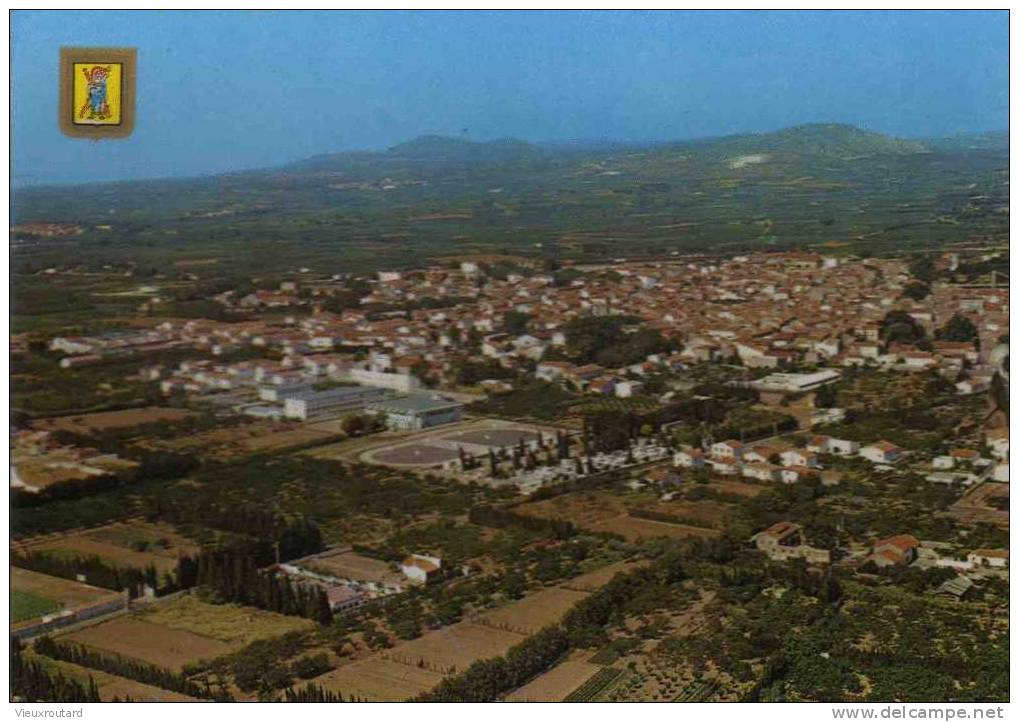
(417,411)
(311,404)
(796,382)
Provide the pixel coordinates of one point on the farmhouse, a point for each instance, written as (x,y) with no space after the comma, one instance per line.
(994,558)
(421,569)
(832,445)
(896,550)
(784,540)
(688,458)
(881,452)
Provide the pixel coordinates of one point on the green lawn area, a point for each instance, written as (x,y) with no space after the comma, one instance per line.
(26,605)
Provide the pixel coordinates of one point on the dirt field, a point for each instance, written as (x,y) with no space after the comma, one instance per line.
(709,514)
(111,686)
(413,667)
(453,649)
(156,644)
(738,488)
(379,680)
(633,529)
(608,513)
(555,684)
(111,419)
(118,544)
(62,592)
(534,611)
(348,565)
(593,581)
(973,507)
(250,438)
(228,623)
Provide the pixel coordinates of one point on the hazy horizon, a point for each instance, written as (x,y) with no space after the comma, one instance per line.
(231,91)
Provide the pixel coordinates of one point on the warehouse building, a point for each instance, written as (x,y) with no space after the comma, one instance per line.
(417,412)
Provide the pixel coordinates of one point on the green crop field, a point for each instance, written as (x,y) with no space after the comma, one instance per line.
(26,605)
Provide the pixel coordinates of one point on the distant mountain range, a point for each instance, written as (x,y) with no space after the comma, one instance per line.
(792,187)
(834,140)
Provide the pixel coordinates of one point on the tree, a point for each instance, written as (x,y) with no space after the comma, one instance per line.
(959,328)
(515,322)
(353,425)
(916,290)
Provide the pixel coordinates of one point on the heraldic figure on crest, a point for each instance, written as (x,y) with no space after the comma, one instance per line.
(96,106)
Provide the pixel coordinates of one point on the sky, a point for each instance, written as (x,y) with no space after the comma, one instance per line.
(230,90)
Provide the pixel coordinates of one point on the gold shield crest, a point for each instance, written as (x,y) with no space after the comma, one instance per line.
(97,92)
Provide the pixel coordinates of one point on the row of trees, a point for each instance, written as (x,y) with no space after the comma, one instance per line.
(233,576)
(131,669)
(96,572)
(487,679)
(584,625)
(32,682)
(499,518)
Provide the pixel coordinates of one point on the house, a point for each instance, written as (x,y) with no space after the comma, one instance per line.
(760,471)
(994,558)
(895,550)
(832,445)
(784,540)
(725,465)
(881,452)
(421,569)
(602,386)
(688,458)
(663,477)
(997,440)
(799,457)
(964,456)
(727,449)
(760,454)
(955,587)
(626,389)
(344,599)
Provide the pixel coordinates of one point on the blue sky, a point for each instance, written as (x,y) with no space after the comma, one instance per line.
(230,90)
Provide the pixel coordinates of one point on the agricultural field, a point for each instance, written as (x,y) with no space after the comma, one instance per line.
(102,421)
(29,605)
(606,512)
(556,684)
(135,543)
(255,437)
(110,685)
(534,611)
(134,638)
(228,623)
(184,631)
(377,679)
(976,505)
(34,594)
(454,648)
(350,565)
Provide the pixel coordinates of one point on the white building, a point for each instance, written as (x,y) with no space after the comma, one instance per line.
(311,404)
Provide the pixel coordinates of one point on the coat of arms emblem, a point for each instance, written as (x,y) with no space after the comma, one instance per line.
(97,92)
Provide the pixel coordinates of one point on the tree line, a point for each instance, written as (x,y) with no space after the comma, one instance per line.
(131,669)
(234,576)
(32,682)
